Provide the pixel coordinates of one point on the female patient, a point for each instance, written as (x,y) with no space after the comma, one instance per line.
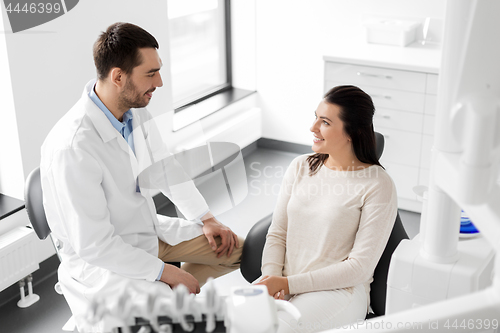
(334,215)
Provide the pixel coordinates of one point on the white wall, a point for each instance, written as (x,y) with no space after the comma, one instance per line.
(243,33)
(292,38)
(11,171)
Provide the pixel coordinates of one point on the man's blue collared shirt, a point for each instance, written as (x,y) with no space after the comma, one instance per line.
(124,127)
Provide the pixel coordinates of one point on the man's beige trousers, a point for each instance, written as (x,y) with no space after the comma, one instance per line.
(199,258)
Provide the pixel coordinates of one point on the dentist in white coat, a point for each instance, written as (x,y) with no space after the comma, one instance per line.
(91,179)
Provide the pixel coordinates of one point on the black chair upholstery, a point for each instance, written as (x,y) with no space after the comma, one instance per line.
(251,260)
(34,204)
(379,144)
(251,256)
(378,288)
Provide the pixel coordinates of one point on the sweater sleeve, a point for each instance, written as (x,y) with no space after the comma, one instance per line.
(273,257)
(378,215)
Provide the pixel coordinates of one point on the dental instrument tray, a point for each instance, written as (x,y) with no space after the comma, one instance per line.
(167,324)
(158,309)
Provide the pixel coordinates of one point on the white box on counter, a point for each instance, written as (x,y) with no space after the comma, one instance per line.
(390,31)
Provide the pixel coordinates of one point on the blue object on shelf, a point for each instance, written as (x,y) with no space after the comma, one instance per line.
(466,226)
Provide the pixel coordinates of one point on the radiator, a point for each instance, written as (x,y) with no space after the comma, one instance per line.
(17,255)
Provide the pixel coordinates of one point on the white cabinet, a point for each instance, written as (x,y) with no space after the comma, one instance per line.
(376,76)
(405,103)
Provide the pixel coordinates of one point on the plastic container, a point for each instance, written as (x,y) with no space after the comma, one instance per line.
(467,229)
(390,31)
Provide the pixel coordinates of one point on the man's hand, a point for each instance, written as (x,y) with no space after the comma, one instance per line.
(174,276)
(213,228)
(275,285)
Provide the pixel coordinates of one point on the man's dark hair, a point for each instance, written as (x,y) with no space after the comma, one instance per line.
(119,47)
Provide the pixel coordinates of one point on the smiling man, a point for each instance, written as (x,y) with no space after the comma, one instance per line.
(97,204)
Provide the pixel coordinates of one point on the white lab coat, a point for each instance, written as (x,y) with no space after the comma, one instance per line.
(108,230)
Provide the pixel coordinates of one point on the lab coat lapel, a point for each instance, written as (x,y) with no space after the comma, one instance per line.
(142,152)
(137,164)
(106,131)
(126,148)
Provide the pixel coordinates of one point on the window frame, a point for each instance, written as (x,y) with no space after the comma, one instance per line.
(183,106)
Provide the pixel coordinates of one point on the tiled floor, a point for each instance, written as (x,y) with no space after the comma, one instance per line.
(264,168)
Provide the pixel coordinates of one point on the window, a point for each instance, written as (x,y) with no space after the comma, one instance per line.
(200,49)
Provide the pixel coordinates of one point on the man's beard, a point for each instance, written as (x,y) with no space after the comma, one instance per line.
(131,97)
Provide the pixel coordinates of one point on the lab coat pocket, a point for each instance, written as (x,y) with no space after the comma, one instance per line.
(91,274)
(99,285)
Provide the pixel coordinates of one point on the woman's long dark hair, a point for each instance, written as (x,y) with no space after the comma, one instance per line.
(356,113)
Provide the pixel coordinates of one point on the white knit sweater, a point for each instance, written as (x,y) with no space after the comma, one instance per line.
(329,230)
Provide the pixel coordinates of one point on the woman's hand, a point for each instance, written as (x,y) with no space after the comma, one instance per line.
(275,285)
(280,295)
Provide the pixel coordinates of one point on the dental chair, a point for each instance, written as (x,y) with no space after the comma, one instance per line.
(34,206)
(251,259)
(33,198)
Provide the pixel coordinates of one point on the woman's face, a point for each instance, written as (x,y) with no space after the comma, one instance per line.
(328,130)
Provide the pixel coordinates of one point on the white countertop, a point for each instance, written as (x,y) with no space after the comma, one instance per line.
(414,57)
